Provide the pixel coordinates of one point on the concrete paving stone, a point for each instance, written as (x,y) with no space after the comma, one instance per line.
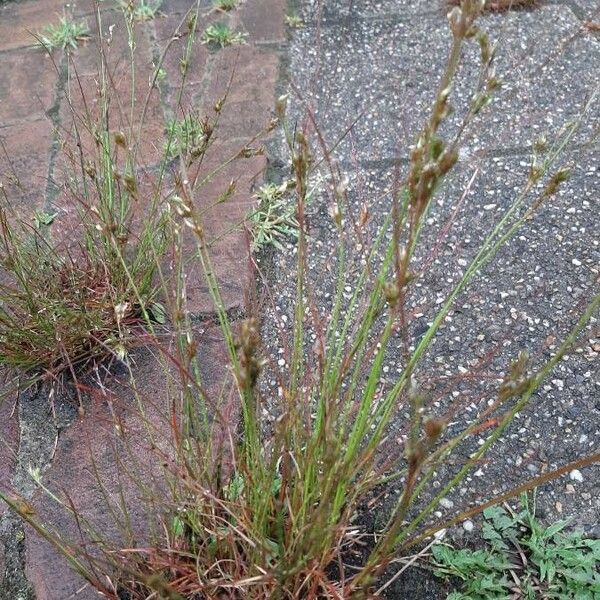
(590,8)
(363,75)
(344,10)
(525,299)
(19,21)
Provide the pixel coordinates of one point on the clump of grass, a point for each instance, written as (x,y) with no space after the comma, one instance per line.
(274,219)
(58,312)
(522,558)
(225,5)
(221,35)
(69,305)
(64,311)
(67,34)
(188,135)
(270,512)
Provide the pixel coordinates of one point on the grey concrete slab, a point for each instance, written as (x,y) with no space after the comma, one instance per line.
(526,299)
(590,8)
(338,10)
(378,77)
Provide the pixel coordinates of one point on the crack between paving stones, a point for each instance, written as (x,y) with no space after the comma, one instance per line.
(53,113)
(37,433)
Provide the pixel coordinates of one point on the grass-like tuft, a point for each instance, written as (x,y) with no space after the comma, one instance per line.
(220,35)
(67,34)
(59,312)
(258,480)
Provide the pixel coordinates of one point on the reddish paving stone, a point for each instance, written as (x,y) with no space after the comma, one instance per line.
(174,52)
(26,75)
(181,7)
(264,20)
(24,167)
(27,85)
(20,20)
(91,456)
(250,101)
(224,226)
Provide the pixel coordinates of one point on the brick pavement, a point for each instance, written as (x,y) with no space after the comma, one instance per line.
(34,118)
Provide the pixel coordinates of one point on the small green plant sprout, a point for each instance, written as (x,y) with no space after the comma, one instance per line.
(294,21)
(67,34)
(523,559)
(219,35)
(274,219)
(225,5)
(43,219)
(142,10)
(186,136)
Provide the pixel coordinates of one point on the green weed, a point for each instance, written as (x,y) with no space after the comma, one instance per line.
(221,35)
(274,219)
(67,34)
(188,135)
(294,21)
(522,557)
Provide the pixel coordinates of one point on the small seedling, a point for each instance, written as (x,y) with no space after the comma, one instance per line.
(67,34)
(185,136)
(274,218)
(221,35)
(43,219)
(523,557)
(294,21)
(225,5)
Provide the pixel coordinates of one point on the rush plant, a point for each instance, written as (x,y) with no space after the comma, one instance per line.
(67,34)
(266,507)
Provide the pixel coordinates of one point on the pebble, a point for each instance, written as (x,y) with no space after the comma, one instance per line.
(468,525)
(446,503)
(576,475)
